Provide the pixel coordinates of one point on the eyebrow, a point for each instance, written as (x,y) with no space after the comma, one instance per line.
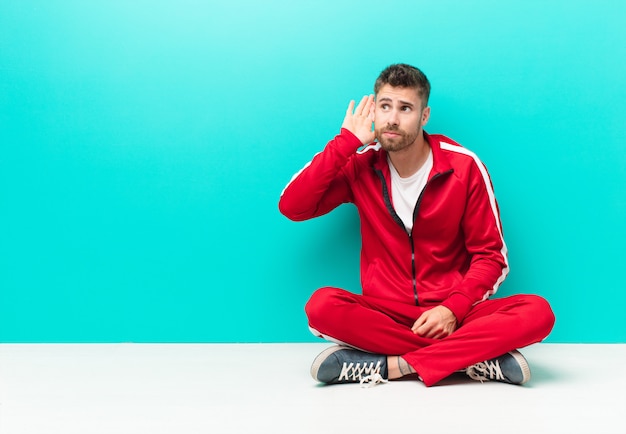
(387,99)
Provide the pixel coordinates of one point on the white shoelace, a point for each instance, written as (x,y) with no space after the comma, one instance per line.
(372,380)
(485,371)
(367,375)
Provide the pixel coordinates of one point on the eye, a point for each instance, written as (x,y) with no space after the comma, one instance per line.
(384,106)
(406,108)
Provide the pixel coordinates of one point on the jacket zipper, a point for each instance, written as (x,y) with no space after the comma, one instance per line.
(398,220)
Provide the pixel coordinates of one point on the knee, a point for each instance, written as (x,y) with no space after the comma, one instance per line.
(320,304)
(542,314)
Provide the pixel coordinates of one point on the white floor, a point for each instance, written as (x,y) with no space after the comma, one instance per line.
(266,388)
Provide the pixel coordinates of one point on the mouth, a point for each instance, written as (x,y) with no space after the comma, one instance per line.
(391,134)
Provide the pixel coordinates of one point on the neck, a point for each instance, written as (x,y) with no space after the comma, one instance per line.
(409,160)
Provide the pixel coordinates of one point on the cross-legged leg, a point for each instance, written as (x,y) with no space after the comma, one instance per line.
(491,328)
(371,324)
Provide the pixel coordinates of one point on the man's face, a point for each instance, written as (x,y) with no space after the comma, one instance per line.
(399,117)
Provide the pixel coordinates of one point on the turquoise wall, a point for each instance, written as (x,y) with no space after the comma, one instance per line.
(145,145)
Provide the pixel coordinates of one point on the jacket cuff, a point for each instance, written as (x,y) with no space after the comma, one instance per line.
(347,143)
(459,304)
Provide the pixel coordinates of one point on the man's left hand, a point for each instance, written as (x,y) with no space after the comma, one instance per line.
(436,323)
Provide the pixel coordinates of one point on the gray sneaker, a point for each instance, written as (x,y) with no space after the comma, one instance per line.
(338,364)
(511,368)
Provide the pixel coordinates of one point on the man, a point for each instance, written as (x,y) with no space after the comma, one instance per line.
(432,250)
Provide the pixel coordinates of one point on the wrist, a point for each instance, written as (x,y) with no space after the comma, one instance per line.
(353,139)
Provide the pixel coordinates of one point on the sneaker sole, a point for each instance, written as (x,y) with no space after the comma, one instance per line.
(321,357)
(523,364)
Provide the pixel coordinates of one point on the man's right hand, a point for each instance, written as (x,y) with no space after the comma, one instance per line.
(436,323)
(359,121)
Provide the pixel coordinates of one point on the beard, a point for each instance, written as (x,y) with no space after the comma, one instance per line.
(394,144)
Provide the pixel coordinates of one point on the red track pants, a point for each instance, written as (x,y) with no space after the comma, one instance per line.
(490,329)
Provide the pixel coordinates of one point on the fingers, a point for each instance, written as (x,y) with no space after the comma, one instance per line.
(371,114)
(361,107)
(430,332)
(350,109)
(365,107)
(426,331)
(419,326)
(428,326)
(359,119)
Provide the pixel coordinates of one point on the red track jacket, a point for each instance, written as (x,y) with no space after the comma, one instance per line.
(455,255)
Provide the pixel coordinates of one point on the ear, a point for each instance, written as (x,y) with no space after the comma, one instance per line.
(425,116)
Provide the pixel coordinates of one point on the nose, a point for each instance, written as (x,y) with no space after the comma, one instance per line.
(393,118)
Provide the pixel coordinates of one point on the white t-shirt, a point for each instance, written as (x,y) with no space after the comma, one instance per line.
(405,191)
